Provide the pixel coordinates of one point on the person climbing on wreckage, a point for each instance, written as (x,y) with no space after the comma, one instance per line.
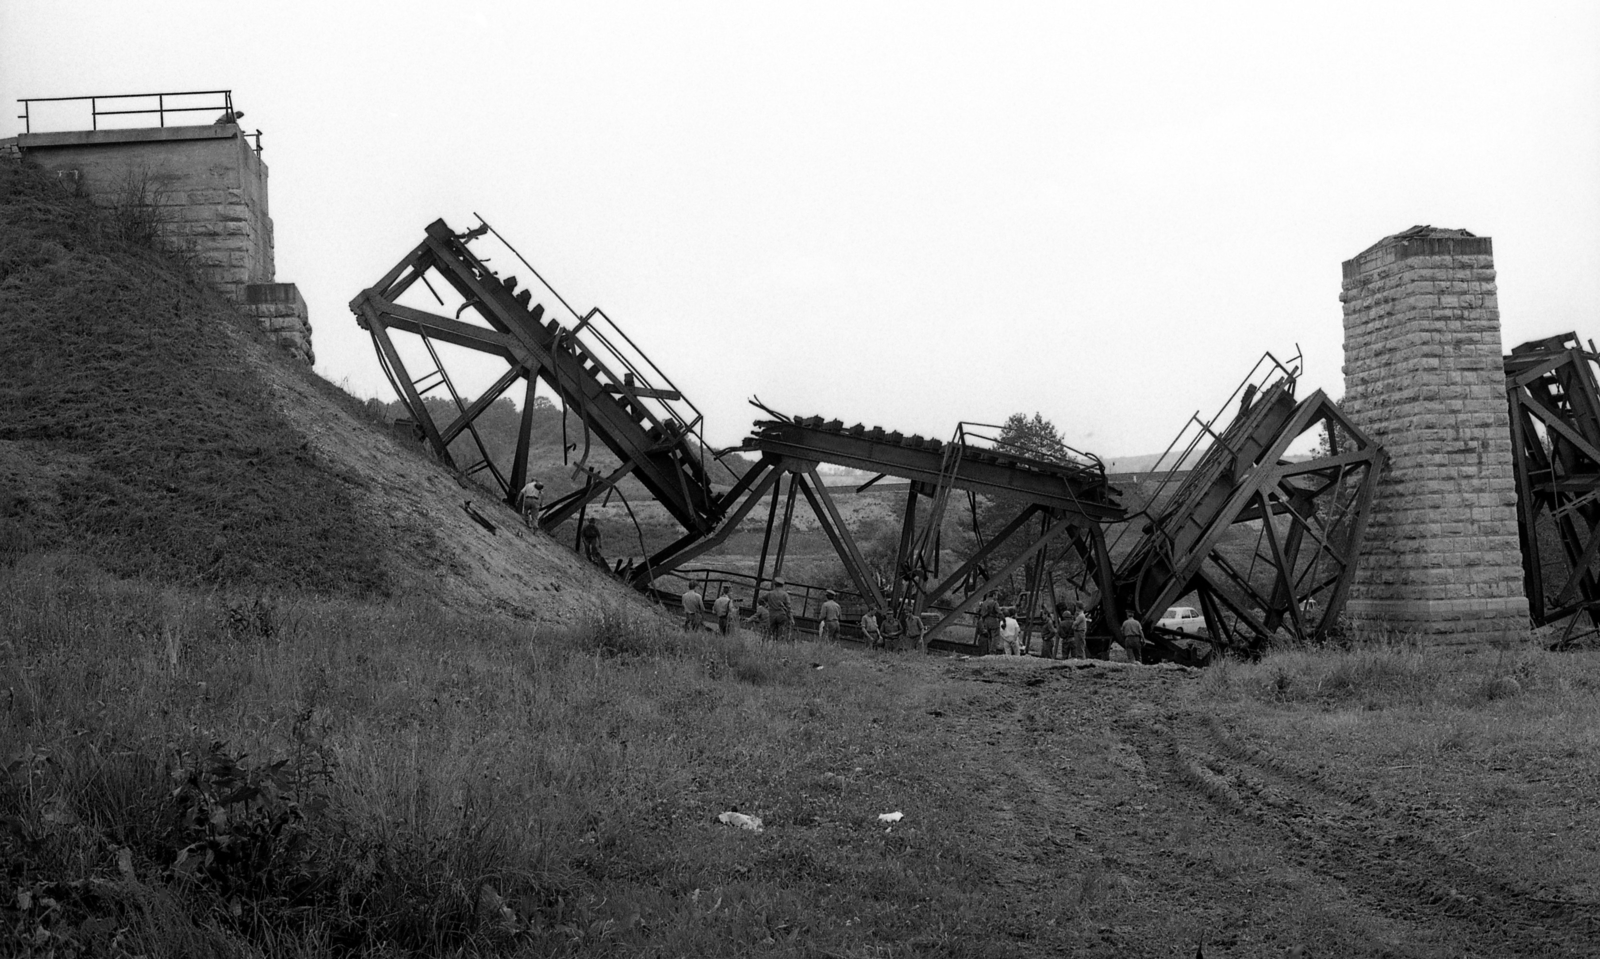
(591,543)
(531,500)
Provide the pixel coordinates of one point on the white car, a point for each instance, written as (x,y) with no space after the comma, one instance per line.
(1184,619)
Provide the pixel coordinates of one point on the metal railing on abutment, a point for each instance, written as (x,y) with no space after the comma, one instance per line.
(134,104)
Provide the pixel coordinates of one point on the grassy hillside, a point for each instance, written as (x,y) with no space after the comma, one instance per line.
(348,787)
(131,431)
(327,778)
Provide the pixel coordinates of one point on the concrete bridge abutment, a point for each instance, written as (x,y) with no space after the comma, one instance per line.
(206,192)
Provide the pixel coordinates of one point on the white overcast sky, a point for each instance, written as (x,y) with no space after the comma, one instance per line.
(903,214)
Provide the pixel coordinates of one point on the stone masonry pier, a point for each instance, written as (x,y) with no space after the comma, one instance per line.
(208,190)
(1424,378)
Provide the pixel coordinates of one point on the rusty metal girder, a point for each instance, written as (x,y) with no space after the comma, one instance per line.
(1077,490)
(1307,518)
(611,394)
(1309,515)
(1555,439)
(1072,500)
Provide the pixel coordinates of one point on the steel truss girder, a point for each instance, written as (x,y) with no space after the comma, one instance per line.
(1076,499)
(1322,505)
(760,481)
(667,465)
(1057,528)
(1081,491)
(1554,406)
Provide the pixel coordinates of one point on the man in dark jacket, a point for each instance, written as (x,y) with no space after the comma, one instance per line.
(988,624)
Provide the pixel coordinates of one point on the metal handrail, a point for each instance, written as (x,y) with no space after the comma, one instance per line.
(95,113)
(968,434)
(1184,464)
(810,594)
(586,326)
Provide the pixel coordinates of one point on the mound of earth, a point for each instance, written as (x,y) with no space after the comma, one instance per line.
(149,428)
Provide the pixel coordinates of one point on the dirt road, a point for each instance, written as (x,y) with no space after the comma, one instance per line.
(1130,819)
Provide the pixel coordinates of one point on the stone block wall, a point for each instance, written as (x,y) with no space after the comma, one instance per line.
(208,188)
(1424,377)
(281,311)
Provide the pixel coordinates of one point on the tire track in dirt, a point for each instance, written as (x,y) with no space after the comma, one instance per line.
(1376,855)
(1076,815)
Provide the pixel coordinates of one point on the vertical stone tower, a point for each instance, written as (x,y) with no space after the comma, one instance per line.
(1423,376)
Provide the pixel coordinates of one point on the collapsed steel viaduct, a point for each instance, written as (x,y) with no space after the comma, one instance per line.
(1266,543)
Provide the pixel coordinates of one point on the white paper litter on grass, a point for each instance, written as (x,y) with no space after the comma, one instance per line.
(891,816)
(752,823)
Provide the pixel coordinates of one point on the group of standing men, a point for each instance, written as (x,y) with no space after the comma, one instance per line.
(694,611)
(775,608)
(1065,634)
(893,629)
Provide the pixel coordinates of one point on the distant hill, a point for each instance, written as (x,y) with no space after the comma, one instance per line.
(1149,462)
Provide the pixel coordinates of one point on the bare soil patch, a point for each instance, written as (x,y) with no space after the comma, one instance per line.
(1130,797)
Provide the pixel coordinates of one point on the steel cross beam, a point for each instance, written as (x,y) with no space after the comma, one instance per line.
(1149,573)
(838,534)
(760,482)
(977,559)
(1075,497)
(658,448)
(1073,490)
(1055,532)
(1244,478)
(763,477)
(1554,405)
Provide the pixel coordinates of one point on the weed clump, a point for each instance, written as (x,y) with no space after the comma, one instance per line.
(1383,676)
(1371,678)
(614,633)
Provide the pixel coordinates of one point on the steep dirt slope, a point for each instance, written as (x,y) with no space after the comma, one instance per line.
(431,547)
(149,429)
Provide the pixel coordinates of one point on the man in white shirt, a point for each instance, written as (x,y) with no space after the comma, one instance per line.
(1011,636)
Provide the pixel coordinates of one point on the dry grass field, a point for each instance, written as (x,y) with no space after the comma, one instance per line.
(190,775)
